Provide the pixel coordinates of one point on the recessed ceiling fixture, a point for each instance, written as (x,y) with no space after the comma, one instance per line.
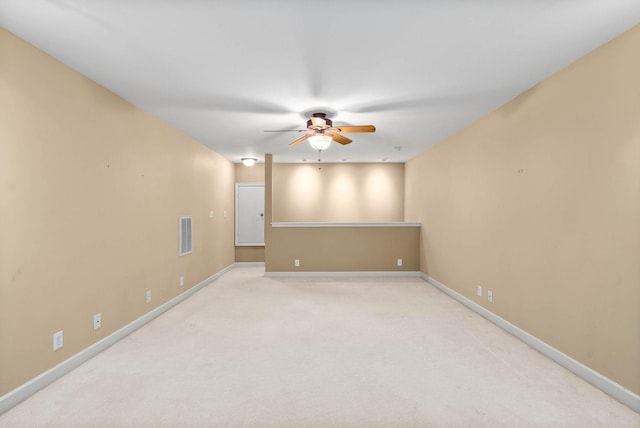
(249,161)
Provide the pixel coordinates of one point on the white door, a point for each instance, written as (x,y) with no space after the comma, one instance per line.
(249,214)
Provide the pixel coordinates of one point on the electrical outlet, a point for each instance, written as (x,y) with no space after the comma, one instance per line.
(58,340)
(181,281)
(97,321)
(296,262)
(399,262)
(479,290)
(225,213)
(211,214)
(490,295)
(148,296)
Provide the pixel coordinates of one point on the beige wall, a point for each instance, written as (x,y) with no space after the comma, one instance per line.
(91,189)
(249,174)
(253,174)
(540,202)
(249,254)
(344,249)
(338,192)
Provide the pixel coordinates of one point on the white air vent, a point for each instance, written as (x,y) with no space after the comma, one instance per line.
(185,235)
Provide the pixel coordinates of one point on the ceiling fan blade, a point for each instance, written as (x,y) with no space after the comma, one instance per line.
(299,140)
(428,101)
(363,128)
(287,130)
(341,139)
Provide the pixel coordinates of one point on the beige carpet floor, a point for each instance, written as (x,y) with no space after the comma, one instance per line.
(250,351)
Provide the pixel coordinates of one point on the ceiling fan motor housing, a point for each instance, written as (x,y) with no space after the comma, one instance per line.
(319,122)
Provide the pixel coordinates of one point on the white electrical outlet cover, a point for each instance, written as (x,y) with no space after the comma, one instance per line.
(97,321)
(181,281)
(149,296)
(479,290)
(58,340)
(490,295)
(296,263)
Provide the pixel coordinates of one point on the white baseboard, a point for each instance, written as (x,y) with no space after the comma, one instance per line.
(615,390)
(342,274)
(25,390)
(248,264)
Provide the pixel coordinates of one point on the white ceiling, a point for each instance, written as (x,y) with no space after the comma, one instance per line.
(225,71)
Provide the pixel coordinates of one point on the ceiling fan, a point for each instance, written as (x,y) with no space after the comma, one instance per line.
(320,132)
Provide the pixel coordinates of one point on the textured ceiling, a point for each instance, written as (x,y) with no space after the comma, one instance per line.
(225,71)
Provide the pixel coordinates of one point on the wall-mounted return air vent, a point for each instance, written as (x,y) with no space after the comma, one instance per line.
(185,235)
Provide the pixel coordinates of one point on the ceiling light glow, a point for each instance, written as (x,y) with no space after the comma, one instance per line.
(320,142)
(249,161)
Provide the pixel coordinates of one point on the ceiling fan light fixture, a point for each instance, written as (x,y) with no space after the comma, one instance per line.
(320,142)
(249,161)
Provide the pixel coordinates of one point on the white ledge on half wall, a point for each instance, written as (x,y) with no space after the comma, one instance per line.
(339,224)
